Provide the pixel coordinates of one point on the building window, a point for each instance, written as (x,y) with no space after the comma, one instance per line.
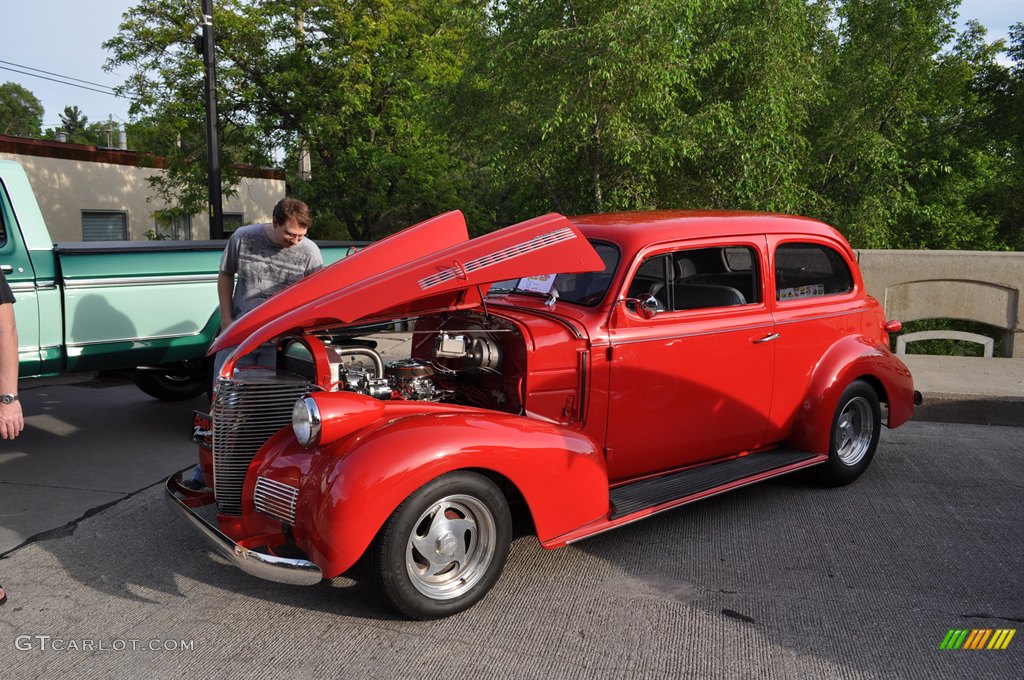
(104,226)
(233,221)
(180,228)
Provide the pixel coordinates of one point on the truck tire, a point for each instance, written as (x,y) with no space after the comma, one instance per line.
(175,385)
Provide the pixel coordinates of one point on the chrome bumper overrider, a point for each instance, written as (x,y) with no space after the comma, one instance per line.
(269,567)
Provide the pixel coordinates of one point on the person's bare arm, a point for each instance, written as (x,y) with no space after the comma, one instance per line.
(225,289)
(11,420)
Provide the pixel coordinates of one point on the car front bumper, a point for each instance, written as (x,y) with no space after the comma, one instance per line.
(268,567)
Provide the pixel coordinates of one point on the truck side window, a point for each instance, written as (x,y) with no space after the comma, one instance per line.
(5,211)
(810,270)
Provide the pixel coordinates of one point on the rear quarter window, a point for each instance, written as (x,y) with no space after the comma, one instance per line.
(804,270)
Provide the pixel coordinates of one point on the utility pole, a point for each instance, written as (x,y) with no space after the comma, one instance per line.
(305,167)
(216,210)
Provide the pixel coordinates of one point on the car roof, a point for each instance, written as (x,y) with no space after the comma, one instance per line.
(634,230)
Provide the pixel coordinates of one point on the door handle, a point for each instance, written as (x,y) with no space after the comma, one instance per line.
(6,269)
(767,338)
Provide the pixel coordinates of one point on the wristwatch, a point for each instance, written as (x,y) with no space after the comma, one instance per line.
(8,398)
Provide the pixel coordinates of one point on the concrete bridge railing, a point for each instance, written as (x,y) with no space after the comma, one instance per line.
(950,284)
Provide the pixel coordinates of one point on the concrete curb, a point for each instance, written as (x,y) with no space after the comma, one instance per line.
(969,389)
(971,409)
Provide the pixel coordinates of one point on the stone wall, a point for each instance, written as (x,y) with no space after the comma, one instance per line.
(951,284)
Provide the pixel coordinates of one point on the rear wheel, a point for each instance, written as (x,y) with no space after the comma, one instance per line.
(856,426)
(444,547)
(177,383)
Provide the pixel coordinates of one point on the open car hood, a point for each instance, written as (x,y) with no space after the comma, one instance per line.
(407,245)
(454,277)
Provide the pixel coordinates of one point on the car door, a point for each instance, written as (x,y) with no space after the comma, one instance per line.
(17,268)
(691,377)
(815,296)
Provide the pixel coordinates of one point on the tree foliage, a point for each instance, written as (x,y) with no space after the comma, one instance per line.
(157,42)
(874,115)
(21,113)
(77,129)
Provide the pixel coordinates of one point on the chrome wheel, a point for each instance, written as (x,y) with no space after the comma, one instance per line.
(444,547)
(855,428)
(856,424)
(451,546)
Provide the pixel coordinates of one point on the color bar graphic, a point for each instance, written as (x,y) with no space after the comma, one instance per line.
(978,638)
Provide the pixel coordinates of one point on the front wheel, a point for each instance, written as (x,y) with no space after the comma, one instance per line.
(855,429)
(444,547)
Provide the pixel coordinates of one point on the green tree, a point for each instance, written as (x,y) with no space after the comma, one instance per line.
(79,130)
(1002,89)
(21,113)
(594,105)
(874,115)
(156,40)
(357,82)
(352,81)
(897,159)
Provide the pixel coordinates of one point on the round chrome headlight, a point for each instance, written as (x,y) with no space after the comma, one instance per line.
(306,421)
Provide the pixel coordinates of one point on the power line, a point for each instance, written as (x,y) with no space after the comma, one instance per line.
(62,82)
(59,75)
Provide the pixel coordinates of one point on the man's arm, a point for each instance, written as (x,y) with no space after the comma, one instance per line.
(225,289)
(11,420)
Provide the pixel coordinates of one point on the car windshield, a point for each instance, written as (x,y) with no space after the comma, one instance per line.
(587,288)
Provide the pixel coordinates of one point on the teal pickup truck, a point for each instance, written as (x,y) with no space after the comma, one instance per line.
(150,306)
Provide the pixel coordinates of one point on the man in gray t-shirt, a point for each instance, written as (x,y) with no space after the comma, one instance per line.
(261,260)
(266,258)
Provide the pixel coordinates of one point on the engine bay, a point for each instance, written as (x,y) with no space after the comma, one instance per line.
(467,359)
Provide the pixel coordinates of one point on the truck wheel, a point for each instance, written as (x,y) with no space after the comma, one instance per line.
(174,385)
(444,547)
(855,428)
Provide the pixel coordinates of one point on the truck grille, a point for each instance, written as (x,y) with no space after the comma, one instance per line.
(247,411)
(276,499)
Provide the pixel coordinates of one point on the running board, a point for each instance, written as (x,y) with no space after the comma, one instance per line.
(653,492)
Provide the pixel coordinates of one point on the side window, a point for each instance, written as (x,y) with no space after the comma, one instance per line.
(652,279)
(6,216)
(104,226)
(3,218)
(715,277)
(810,270)
(699,278)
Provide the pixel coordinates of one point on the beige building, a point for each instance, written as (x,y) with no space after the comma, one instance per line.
(88,193)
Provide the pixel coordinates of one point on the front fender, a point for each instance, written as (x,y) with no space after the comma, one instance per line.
(353,485)
(851,358)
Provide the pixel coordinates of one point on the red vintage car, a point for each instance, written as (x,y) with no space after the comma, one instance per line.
(586,372)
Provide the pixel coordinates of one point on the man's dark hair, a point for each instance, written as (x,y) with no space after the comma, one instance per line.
(292,207)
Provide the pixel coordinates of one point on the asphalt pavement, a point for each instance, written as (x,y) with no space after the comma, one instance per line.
(782,579)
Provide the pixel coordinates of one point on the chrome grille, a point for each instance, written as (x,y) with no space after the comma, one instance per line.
(247,411)
(276,499)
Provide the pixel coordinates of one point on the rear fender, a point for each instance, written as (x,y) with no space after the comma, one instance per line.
(355,484)
(851,358)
